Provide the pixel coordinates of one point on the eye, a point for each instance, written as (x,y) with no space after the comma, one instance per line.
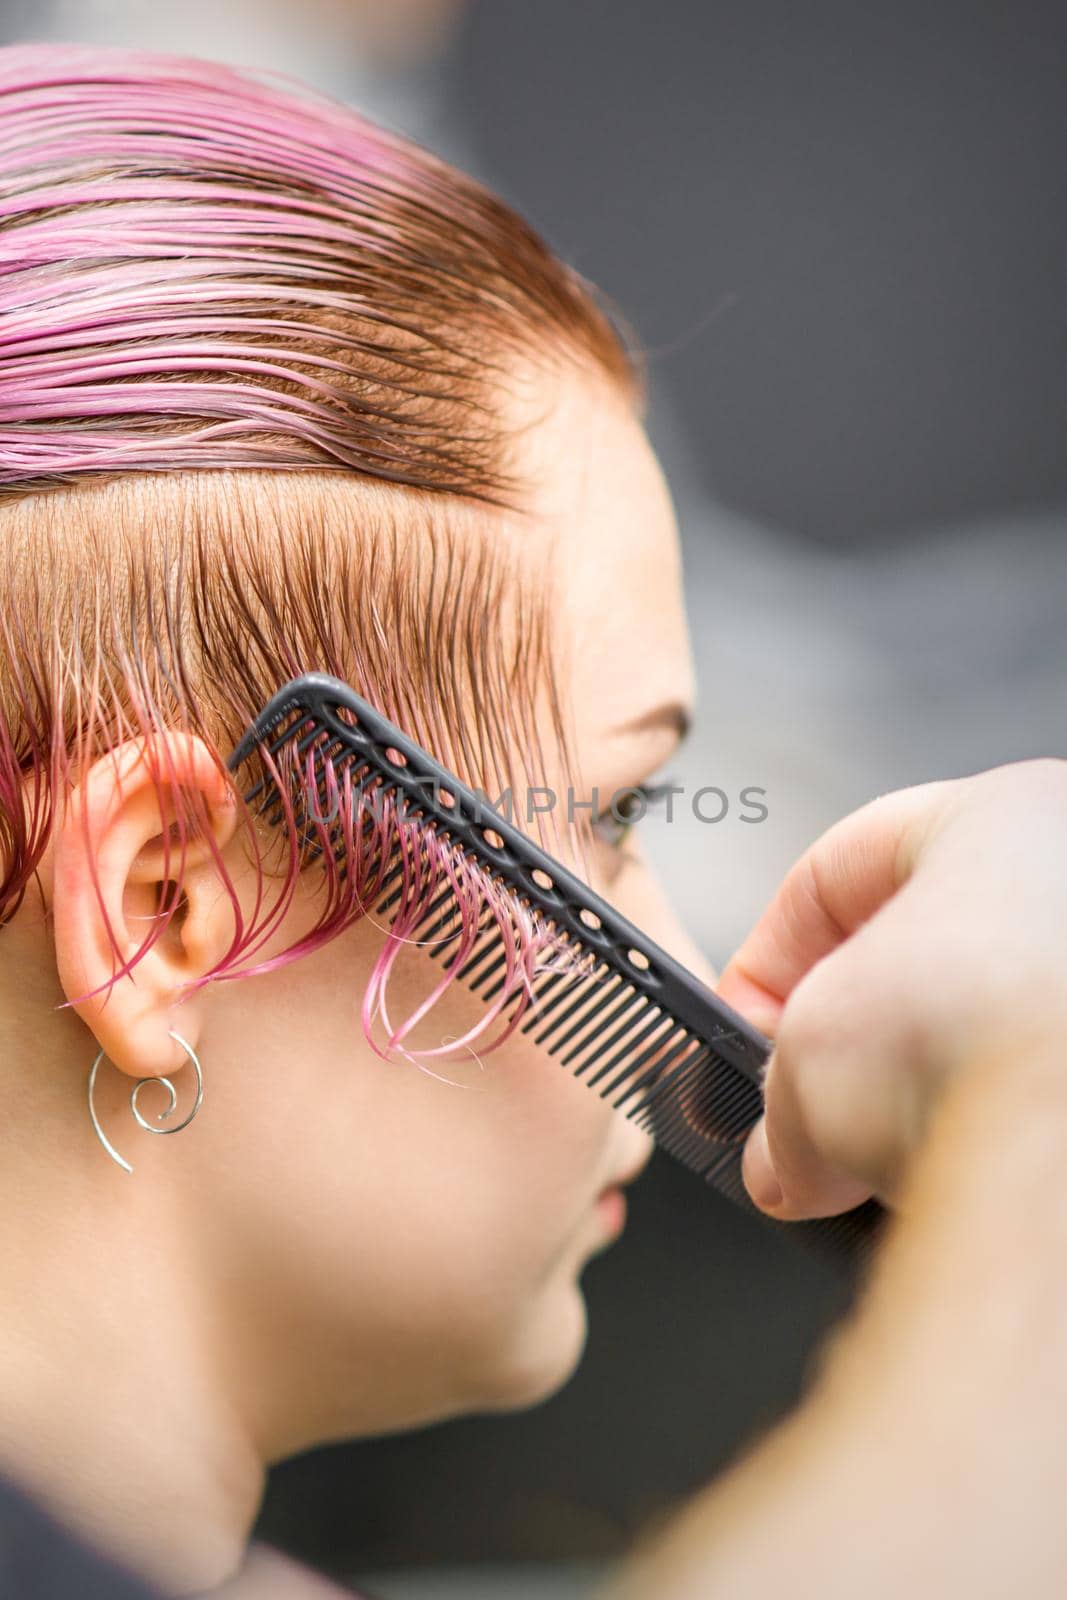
(629,806)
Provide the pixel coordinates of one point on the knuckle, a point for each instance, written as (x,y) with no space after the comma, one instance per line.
(806,1028)
(852,1065)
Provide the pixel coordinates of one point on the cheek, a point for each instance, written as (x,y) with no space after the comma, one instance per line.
(517,1155)
(524,1166)
(470,1192)
(434,1225)
(519,1143)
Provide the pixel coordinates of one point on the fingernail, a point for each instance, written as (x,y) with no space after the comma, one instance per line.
(760,1179)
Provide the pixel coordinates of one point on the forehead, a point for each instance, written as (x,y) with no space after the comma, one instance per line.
(613,544)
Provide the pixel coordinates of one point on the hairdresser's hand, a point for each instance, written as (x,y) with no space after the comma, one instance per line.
(926,930)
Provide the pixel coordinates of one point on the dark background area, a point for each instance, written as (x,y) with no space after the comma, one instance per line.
(840,225)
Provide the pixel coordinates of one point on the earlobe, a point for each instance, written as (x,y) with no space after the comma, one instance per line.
(114,829)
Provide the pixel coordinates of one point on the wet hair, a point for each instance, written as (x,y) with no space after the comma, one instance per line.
(257,359)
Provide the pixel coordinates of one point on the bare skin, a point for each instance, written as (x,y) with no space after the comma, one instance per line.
(911,969)
(296,1265)
(263,1282)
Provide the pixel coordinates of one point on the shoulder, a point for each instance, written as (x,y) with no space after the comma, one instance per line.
(41,1556)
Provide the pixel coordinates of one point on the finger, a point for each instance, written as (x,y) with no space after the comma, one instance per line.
(822,1191)
(836,885)
(850,1078)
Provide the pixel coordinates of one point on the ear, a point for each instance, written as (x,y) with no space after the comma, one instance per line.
(116,819)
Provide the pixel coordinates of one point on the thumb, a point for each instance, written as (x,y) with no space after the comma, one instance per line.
(836,886)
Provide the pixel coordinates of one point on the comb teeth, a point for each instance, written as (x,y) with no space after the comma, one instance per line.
(622,1015)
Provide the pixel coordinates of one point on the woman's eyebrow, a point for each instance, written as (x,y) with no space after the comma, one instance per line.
(672,714)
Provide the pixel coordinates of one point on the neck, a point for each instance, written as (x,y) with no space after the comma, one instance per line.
(115,1406)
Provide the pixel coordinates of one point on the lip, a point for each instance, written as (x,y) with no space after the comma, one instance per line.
(611,1209)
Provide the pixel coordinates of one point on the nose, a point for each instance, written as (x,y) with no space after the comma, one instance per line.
(689,1105)
(636,1147)
(648,905)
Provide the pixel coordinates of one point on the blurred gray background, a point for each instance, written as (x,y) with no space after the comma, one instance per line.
(839,231)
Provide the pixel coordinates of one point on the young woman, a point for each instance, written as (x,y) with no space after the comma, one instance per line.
(282,392)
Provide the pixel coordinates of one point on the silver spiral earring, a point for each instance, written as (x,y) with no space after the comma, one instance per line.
(138,1086)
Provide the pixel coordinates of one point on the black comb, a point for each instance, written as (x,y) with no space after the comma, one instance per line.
(631,1021)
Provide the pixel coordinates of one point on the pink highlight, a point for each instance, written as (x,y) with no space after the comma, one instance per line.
(223,194)
(204,268)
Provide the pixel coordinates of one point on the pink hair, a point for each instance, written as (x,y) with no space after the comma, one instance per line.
(150,203)
(206,271)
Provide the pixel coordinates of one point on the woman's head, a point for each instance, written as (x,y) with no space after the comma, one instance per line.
(281,392)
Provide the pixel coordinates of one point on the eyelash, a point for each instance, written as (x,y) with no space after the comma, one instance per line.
(651,793)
